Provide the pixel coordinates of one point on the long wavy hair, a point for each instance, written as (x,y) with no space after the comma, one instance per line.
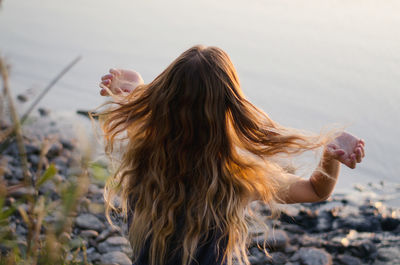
(196,149)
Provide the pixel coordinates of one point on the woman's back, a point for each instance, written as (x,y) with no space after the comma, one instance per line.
(196,153)
(206,253)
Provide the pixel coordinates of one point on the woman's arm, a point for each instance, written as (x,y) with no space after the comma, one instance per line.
(345,149)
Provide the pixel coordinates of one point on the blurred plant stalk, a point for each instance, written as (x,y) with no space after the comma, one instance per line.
(45,242)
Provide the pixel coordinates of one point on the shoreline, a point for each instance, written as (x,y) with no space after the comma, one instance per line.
(352,228)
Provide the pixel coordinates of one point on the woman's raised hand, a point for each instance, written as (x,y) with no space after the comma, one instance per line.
(120,81)
(347,149)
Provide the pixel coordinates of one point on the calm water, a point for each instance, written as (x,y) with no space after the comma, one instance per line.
(308,64)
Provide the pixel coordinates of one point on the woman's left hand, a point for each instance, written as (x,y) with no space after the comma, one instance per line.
(347,149)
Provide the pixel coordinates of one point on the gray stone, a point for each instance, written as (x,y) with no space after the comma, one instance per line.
(115,257)
(348,260)
(389,254)
(312,256)
(115,243)
(89,221)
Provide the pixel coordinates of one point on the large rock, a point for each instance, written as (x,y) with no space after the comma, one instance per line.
(89,221)
(312,256)
(115,257)
(115,243)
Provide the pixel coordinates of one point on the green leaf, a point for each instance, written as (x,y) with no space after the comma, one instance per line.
(48,174)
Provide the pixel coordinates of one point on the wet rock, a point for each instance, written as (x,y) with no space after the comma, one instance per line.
(312,256)
(89,221)
(115,243)
(115,257)
(390,224)
(348,260)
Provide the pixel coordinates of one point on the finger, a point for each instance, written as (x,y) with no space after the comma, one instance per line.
(107,76)
(339,152)
(115,71)
(353,161)
(332,146)
(103,92)
(362,151)
(358,154)
(106,82)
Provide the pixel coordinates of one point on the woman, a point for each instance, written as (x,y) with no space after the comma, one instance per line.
(197,153)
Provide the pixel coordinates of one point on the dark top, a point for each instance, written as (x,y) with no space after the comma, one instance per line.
(206,253)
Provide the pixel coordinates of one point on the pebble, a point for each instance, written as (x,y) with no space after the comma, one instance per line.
(44,112)
(115,257)
(89,221)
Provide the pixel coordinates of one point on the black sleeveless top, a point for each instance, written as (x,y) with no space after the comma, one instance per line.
(206,253)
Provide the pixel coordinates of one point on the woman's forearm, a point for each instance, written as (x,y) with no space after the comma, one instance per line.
(324,178)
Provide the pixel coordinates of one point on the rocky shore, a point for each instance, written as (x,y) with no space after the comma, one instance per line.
(342,230)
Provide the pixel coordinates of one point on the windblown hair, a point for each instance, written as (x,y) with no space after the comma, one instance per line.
(196,149)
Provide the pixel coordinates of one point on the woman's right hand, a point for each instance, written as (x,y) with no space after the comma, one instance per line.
(120,81)
(347,149)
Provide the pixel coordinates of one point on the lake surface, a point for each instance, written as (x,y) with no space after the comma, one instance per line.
(308,64)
